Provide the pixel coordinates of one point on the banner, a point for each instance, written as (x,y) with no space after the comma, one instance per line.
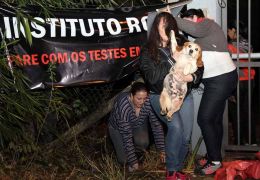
(81,46)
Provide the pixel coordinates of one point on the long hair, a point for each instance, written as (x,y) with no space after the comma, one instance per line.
(154,39)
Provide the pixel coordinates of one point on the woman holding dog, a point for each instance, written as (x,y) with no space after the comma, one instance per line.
(219,79)
(155,63)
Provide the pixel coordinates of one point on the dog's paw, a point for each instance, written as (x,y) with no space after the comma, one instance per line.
(169,118)
(172,34)
(173,42)
(163,112)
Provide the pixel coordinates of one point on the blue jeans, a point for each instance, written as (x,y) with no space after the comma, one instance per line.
(178,131)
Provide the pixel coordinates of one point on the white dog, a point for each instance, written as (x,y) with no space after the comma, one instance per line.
(188,59)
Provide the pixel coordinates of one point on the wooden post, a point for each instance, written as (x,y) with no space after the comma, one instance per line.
(85,123)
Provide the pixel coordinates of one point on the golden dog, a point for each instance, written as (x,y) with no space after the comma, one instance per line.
(188,58)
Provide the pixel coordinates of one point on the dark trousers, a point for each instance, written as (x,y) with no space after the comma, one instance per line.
(210,116)
(140,139)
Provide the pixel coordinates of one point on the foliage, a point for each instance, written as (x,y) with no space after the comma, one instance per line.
(90,157)
(25,115)
(23,112)
(191,160)
(47,4)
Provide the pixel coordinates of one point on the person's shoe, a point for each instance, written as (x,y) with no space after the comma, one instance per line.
(182,176)
(208,169)
(171,175)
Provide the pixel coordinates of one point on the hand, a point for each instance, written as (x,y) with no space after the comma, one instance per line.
(133,167)
(166,9)
(232,99)
(188,78)
(162,157)
(182,78)
(179,77)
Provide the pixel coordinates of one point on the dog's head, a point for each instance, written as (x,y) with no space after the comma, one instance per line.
(193,50)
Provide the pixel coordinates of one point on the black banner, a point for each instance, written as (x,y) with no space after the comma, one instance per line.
(85,45)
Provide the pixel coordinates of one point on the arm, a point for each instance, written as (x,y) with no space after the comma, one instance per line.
(193,78)
(199,29)
(197,76)
(125,129)
(153,73)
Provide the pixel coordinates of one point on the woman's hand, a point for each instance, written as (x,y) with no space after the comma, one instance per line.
(133,167)
(179,77)
(183,78)
(162,157)
(166,9)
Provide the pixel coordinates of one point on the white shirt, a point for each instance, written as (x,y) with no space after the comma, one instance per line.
(216,63)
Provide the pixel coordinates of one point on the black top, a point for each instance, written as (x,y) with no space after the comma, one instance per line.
(154,73)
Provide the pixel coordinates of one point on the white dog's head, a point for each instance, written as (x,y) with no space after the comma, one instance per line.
(192,49)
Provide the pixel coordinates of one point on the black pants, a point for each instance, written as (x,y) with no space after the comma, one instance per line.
(140,138)
(210,116)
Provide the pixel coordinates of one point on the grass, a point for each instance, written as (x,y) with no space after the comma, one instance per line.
(90,156)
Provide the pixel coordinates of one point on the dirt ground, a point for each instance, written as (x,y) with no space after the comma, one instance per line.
(89,156)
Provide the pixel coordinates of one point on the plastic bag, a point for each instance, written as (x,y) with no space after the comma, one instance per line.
(243,168)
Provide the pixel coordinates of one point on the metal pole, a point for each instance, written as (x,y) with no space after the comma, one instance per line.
(249,70)
(238,92)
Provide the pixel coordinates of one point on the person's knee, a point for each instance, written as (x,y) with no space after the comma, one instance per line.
(186,138)
(143,145)
(174,126)
(186,142)
(142,142)
(200,122)
(121,159)
(203,119)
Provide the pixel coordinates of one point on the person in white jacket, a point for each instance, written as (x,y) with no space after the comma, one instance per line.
(220,80)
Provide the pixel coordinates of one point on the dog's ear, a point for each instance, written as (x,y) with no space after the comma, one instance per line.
(199,60)
(179,48)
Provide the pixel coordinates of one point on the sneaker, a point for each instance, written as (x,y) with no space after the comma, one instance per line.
(171,175)
(208,169)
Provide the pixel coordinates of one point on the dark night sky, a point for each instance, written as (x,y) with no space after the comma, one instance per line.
(255,36)
(243,13)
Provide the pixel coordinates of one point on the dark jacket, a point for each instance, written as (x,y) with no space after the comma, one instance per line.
(154,73)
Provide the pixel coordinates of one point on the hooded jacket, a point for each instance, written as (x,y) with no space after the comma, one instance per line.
(154,73)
